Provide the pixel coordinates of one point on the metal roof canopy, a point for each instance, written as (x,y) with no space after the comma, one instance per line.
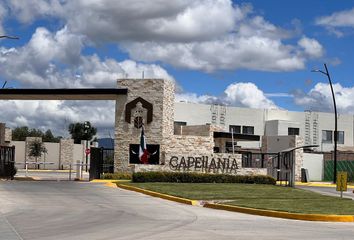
(62,94)
(237,136)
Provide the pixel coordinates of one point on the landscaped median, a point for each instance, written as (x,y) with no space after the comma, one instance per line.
(256,194)
(258,199)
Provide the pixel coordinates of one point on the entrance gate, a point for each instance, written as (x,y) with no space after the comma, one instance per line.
(101,161)
(282,165)
(7,162)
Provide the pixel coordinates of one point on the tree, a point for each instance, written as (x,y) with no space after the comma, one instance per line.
(36,148)
(82,131)
(20,134)
(49,137)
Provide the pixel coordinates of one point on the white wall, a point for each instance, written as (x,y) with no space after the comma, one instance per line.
(314,164)
(195,114)
(79,151)
(52,155)
(19,153)
(277,144)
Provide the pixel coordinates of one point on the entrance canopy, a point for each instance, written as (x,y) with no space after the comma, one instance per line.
(63,94)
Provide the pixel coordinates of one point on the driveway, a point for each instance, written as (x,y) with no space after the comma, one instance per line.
(73,210)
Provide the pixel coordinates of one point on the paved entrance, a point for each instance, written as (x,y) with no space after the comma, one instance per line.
(72,210)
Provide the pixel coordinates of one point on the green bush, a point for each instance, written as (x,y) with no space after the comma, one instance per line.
(117,176)
(187,177)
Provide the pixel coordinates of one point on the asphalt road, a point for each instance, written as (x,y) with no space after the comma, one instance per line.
(330,191)
(72,210)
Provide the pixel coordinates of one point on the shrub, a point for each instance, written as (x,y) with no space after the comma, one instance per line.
(117,176)
(187,177)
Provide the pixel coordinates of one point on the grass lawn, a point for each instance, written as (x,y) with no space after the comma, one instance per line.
(257,196)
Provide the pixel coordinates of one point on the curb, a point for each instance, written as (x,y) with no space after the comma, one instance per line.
(253,211)
(111,184)
(277,214)
(108,181)
(159,195)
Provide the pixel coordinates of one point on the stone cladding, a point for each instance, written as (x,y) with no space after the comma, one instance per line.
(66,153)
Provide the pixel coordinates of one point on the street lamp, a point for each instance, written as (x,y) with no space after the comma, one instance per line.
(86,128)
(10,37)
(335,121)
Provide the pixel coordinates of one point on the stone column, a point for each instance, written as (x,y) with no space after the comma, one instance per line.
(2,133)
(66,153)
(159,93)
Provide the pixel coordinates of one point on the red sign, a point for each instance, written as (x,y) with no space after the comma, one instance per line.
(87,151)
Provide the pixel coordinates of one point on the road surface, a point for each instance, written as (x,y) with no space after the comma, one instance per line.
(72,210)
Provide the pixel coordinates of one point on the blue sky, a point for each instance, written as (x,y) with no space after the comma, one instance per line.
(256,54)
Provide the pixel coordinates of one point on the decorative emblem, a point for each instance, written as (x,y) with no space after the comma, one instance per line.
(141,106)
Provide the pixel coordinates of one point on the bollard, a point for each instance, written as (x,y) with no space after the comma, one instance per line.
(70,172)
(78,170)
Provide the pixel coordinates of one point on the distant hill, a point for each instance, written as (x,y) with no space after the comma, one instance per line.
(106,142)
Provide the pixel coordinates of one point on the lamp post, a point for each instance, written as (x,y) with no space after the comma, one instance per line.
(335,121)
(86,128)
(10,37)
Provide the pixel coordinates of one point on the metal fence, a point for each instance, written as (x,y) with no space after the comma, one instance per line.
(343,165)
(102,161)
(7,162)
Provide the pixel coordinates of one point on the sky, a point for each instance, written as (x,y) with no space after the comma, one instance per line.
(253,54)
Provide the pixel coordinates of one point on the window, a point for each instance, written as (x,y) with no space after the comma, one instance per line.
(177,127)
(235,128)
(248,130)
(293,131)
(247,160)
(326,136)
(176,123)
(340,137)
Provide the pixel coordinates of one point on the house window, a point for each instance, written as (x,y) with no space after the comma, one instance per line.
(340,137)
(249,130)
(293,131)
(235,128)
(326,136)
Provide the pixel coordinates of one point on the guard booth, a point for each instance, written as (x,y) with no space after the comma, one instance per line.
(7,162)
(101,161)
(282,165)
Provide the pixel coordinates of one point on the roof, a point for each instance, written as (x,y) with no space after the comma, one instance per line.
(62,93)
(237,136)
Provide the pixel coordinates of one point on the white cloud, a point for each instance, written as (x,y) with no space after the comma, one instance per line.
(194,98)
(2,16)
(205,35)
(311,47)
(57,115)
(55,60)
(337,20)
(237,94)
(248,95)
(319,98)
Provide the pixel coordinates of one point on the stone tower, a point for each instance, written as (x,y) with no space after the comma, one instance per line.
(151,102)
